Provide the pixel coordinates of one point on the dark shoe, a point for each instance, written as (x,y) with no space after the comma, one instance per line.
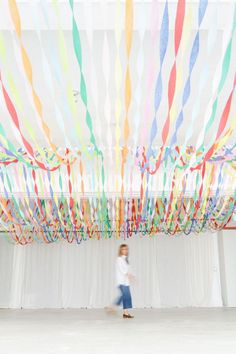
(127,316)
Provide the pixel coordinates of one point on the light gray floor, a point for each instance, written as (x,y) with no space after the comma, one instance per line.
(92,331)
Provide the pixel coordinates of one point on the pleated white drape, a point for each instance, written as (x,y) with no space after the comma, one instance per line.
(170,271)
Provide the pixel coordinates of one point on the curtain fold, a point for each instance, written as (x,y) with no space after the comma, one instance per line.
(170,271)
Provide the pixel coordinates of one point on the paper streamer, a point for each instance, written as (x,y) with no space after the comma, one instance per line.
(192,62)
(29,74)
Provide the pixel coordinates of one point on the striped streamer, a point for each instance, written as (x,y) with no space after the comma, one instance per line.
(187,87)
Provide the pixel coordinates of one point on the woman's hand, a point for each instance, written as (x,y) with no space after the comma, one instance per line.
(131,277)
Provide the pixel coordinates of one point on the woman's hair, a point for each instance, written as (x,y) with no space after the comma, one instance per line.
(123,245)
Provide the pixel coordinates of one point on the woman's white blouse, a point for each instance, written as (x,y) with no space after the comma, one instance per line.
(122,270)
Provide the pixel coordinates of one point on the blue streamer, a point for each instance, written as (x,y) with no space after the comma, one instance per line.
(187,87)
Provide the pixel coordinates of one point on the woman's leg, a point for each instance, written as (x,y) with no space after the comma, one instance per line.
(119,300)
(127,300)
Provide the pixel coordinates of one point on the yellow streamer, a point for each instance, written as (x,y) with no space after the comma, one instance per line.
(29,74)
(128,92)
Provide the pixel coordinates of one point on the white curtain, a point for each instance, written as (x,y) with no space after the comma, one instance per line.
(170,271)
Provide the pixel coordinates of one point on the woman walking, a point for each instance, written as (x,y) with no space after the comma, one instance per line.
(123,278)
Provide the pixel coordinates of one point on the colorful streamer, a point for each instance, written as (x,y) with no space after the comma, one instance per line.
(118,180)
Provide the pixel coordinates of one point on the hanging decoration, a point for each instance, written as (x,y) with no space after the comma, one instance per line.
(72,184)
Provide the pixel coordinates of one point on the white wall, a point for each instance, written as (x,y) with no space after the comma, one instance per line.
(171,271)
(227,246)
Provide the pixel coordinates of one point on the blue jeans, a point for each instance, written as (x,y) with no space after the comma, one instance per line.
(125,297)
